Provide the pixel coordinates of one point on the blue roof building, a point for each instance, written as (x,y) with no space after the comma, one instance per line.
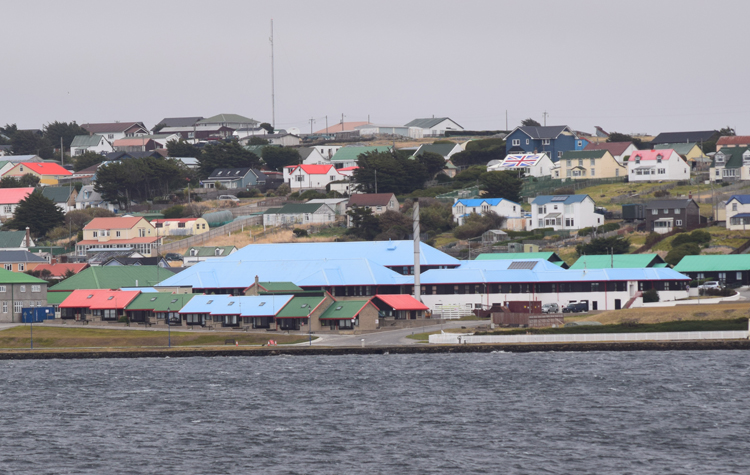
(462,208)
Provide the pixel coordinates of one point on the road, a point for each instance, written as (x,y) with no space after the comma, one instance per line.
(389,337)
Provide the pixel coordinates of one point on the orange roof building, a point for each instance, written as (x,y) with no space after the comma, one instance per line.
(48,173)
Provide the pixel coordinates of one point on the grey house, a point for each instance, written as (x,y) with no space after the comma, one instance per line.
(18,291)
(235,178)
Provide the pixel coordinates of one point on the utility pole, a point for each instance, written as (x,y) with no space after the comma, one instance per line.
(273,92)
(506,119)
(62,157)
(545,118)
(342,122)
(312,121)
(326,125)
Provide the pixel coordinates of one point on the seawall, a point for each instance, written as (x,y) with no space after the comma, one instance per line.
(375,350)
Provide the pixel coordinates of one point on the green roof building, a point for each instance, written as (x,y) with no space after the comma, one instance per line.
(729,269)
(114,277)
(150,305)
(19,290)
(348,156)
(519,256)
(619,261)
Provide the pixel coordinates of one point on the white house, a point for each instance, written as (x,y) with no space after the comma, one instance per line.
(536,164)
(563,212)
(312,156)
(738,213)
(462,208)
(402,130)
(9,199)
(731,164)
(117,130)
(338,205)
(328,151)
(316,213)
(90,143)
(310,176)
(434,127)
(657,165)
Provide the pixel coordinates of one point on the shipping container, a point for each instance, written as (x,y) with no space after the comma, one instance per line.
(37,314)
(525,306)
(631,212)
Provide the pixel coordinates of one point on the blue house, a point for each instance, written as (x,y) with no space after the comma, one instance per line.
(554,140)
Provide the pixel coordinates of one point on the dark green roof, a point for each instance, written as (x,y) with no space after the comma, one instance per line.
(280,286)
(159,301)
(86,140)
(54,250)
(296,208)
(343,310)
(442,149)
(56,298)
(680,148)
(714,263)
(58,194)
(618,261)
(299,307)
(549,256)
(114,277)
(8,277)
(576,154)
(10,239)
(346,154)
(734,154)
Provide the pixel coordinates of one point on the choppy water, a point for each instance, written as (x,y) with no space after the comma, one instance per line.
(598,413)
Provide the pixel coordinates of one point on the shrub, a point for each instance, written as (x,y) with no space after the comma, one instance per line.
(677,253)
(650,296)
(252,193)
(123,319)
(653,238)
(661,193)
(177,211)
(698,237)
(605,228)
(585,231)
(299,232)
(283,189)
(725,292)
(564,191)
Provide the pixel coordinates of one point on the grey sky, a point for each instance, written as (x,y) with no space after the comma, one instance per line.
(630,66)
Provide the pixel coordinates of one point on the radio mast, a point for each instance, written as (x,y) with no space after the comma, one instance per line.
(273,92)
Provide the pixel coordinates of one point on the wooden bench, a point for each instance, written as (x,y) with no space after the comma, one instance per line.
(229,342)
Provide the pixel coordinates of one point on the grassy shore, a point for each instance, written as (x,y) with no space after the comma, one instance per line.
(54,337)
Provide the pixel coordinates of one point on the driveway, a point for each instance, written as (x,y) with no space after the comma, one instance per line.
(391,337)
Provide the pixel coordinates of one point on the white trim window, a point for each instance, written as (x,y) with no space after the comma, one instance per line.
(516,142)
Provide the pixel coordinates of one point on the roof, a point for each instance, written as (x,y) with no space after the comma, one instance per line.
(742,199)
(114,277)
(734,154)
(303,208)
(442,149)
(112,223)
(46,168)
(159,301)
(548,132)
(99,299)
(58,194)
(344,310)
(352,153)
(226,119)
(110,127)
(210,251)
(566,199)
(477,202)
(56,298)
(124,242)
(14,195)
(680,148)
(428,123)
(369,199)
(20,256)
(584,154)
(698,136)
(722,263)
(60,269)
(8,277)
(245,306)
(547,256)
(520,160)
(618,261)
(279,287)
(741,215)
(93,195)
(132,141)
(615,148)
(82,141)
(339,127)
(402,302)
(647,155)
(178,121)
(312,169)
(229,173)
(300,307)
(88,171)
(666,204)
(733,140)
(173,220)
(12,238)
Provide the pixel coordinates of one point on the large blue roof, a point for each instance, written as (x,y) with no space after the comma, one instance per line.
(478,275)
(743,199)
(249,306)
(476,202)
(544,199)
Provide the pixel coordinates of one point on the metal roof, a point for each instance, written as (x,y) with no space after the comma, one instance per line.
(348,154)
(159,301)
(12,238)
(86,140)
(8,277)
(742,199)
(300,307)
(402,302)
(114,277)
(566,199)
(20,256)
(667,204)
(244,306)
(685,137)
(476,202)
(714,263)
(429,123)
(618,261)
(584,154)
(548,256)
(344,310)
(476,275)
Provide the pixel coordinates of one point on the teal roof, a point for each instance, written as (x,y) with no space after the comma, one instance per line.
(680,148)
(348,154)
(114,277)
(305,208)
(56,298)
(58,194)
(227,119)
(280,287)
(442,149)
(299,307)
(734,155)
(618,261)
(85,140)
(344,310)
(714,263)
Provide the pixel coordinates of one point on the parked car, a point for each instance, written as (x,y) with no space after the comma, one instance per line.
(228,198)
(550,308)
(575,307)
(711,284)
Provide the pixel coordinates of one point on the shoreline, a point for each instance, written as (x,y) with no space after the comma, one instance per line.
(73,353)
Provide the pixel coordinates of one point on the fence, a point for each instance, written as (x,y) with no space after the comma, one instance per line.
(236,225)
(593,337)
(451,312)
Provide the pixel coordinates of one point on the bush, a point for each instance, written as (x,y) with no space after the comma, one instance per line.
(123,319)
(283,189)
(652,239)
(650,296)
(299,232)
(725,292)
(698,236)
(661,193)
(248,193)
(564,191)
(585,231)
(605,228)
(177,211)
(677,253)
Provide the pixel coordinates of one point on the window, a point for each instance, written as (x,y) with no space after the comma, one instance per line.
(300,178)
(734,206)
(527,141)
(541,223)
(180,225)
(96,234)
(593,162)
(21,267)
(111,136)
(569,222)
(559,154)
(2,288)
(8,209)
(654,212)
(658,158)
(17,306)
(191,135)
(22,288)
(580,162)
(36,288)
(676,211)
(723,276)
(141,232)
(719,157)
(545,142)
(678,222)
(569,162)
(593,172)
(516,142)
(580,143)
(5,306)
(662,171)
(739,276)
(117,233)
(617,172)
(665,211)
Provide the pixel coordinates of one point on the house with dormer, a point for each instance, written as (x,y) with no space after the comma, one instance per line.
(118,234)
(9,199)
(563,212)
(620,150)
(198,254)
(553,140)
(738,213)
(532,164)
(116,130)
(235,178)
(48,173)
(463,208)
(657,165)
(731,164)
(307,177)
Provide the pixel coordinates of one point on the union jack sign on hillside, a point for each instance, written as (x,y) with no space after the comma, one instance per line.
(517,161)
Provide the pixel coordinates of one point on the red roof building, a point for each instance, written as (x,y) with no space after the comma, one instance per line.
(60,270)
(104,305)
(619,150)
(734,141)
(127,233)
(311,176)
(47,172)
(400,306)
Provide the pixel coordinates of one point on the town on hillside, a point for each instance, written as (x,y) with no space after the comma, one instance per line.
(225,222)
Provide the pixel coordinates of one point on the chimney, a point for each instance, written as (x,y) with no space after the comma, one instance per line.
(256,289)
(28,238)
(690,197)
(417,269)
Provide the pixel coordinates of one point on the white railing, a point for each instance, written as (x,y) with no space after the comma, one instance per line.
(455,338)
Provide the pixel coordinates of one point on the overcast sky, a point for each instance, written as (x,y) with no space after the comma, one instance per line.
(627,66)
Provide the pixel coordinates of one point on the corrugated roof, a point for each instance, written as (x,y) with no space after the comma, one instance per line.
(402,302)
(99,299)
(299,307)
(46,168)
(344,310)
(680,148)
(585,154)
(178,121)
(123,242)
(110,127)
(293,208)
(160,301)
(714,263)
(112,223)
(114,277)
(442,149)
(476,202)
(546,132)
(698,136)
(615,148)
(429,122)
(515,256)
(56,298)
(478,276)
(742,199)
(60,269)
(208,251)
(80,141)
(618,261)
(12,196)
(732,156)
(544,199)
(734,140)
(280,287)
(8,277)
(647,155)
(12,238)
(229,173)
(58,194)
(227,119)
(666,204)
(352,153)
(369,199)
(339,127)
(19,256)
(312,169)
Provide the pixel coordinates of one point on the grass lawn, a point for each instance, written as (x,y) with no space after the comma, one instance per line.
(677,326)
(720,311)
(443,239)
(56,337)
(720,236)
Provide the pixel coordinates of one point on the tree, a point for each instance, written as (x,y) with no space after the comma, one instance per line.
(394,172)
(157,128)
(503,184)
(432,162)
(174,212)
(75,220)
(267,126)
(530,123)
(602,246)
(87,159)
(28,143)
(182,149)
(28,180)
(394,225)
(9,182)
(38,213)
(54,131)
(618,137)
(277,158)
(469,177)
(226,155)
(727,132)
(677,253)
(9,130)
(469,158)
(257,140)
(364,224)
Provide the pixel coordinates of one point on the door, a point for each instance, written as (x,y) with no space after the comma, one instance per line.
(617,304)
(594,305)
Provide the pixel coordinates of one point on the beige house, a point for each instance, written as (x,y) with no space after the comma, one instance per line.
(590,164)
(690,151)
(379,203)
(180,226)
(110,234)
